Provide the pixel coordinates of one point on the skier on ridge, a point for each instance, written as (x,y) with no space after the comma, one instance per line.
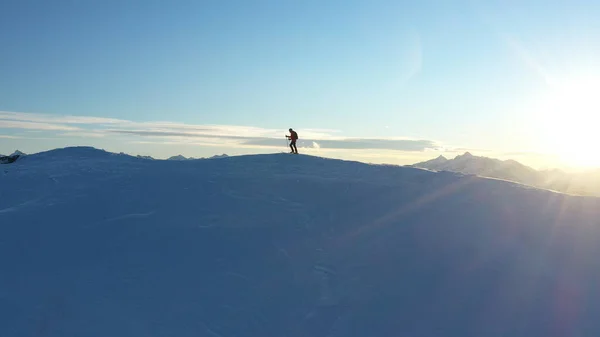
(293,137)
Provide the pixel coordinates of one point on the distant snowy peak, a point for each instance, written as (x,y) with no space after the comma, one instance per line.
(178,157)
(74,152)
(219,156)
(145,157)
(433,163)
(78,153)
(12,158)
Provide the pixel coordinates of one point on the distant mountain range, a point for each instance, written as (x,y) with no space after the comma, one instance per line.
(18,154)
(587,183)
(180,157)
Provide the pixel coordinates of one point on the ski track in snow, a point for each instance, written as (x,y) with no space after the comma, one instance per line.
(131,215)
(96,244)
(20,206)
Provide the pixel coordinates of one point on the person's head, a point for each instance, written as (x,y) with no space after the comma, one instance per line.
(290,130)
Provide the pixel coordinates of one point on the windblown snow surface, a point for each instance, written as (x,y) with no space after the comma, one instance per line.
(99,244)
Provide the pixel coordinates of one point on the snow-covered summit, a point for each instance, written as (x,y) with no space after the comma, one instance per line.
(178,157)
(74,153)
(11,158)
(282,245)
(18,153)
(436,162)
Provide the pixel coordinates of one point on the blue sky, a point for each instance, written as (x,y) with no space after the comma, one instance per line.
(415,78)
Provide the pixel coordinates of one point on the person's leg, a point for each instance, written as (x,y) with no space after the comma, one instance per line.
(292,144)
(295,148)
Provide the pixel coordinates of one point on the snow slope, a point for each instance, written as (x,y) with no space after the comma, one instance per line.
(100,244)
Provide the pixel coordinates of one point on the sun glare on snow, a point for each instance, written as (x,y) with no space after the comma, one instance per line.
(569,119)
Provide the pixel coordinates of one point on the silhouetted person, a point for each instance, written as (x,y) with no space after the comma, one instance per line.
(293,137)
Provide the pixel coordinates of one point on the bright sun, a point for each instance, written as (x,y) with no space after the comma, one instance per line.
(570,121)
